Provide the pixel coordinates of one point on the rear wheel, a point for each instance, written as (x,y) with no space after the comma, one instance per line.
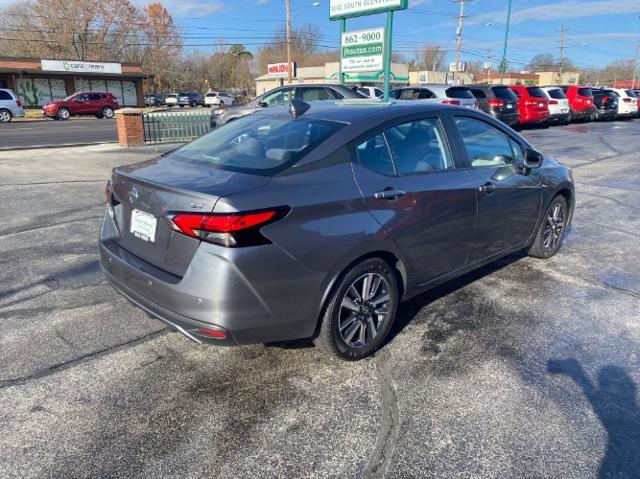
(107,112)
(5,116)
(194,104)
(360,311)
(569,118)
(63,114)
(551,231)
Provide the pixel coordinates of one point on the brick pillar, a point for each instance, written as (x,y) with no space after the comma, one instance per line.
(130,128)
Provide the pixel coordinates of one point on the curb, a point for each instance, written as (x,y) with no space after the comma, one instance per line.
(66,145)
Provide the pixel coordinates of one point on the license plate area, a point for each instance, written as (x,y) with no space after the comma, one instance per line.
(143,226)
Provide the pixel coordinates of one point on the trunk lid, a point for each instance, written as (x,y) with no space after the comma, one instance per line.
(162,186)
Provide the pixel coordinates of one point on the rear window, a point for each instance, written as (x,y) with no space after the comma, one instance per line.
(183,94)
(556,94)
(536,92)
(478,93)
(256,144)
(585,92)
(631,93)
(211,94)
(504,93)
(457,92)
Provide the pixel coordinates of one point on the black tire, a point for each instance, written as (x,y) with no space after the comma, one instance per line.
(194,104)
(107,112)
(569,118)
(5,115)
(99,116)
(63,114)
(352,334)
(181,106)
(545,246)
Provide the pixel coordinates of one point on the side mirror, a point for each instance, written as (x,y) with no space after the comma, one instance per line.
(263,104)
(533,159)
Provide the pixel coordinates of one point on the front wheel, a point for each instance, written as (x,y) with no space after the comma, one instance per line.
(63,114)
(551,231)
(360,311)
(107,112)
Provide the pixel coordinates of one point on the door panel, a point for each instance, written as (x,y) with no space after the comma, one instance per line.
(408,182)
(508,198)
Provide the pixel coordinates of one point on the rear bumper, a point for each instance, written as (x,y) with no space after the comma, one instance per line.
(580,114)
(255,295)
(534,118)
(558,117)
(507,118)
(605,114)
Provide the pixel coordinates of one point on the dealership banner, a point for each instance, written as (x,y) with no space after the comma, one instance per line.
(279,70)
(74,66)
(362,50)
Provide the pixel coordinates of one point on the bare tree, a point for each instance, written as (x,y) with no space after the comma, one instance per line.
(431,57)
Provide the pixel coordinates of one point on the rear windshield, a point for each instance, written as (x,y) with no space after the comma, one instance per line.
(211,94)
(631,93)
(458,92)
(478,93)
(556,94)
(585,92)
(183,94)
(504,93)
(257,144)
(536,92)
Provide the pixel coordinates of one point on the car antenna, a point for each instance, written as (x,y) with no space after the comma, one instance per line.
(297,107)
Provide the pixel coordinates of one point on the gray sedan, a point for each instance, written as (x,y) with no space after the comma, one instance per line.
(282,95)
(318,220)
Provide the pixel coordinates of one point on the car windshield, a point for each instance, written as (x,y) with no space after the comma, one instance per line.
(70,97)
(536,92)
(459,92)
(585,92)
(556,94)
(504,93)
(257,144)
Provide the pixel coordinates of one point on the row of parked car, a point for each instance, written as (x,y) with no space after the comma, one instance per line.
(519,105)
(190,98)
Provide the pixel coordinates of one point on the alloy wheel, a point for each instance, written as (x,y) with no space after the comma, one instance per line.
(108,113)
(5,116)
(63,114)
(364,309)
(553,227)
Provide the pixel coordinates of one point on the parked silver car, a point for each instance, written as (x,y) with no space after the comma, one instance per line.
(459,95)
(219,98)
(317,220)
(10,105)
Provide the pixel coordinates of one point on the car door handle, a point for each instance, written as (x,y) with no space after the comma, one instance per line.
(388,194)
(488,188)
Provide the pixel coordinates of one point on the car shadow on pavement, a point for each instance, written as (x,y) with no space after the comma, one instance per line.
(411,308)
(614,401)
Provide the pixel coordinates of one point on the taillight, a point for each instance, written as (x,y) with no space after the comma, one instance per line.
(214,333)
(18,103)
(450,102)
(496,102)
(230,230)
(553,102)
(107,191)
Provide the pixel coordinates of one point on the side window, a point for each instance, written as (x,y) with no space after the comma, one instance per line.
(278,98)
(336,94)
(378,91)
(478,93)
(425,94)
(314,94)
(374,155)
(485,144)
(4,95)
(408,94)
(94,96)
(419,147)
(83,97)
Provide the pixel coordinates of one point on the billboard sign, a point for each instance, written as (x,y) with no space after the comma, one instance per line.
(280,70)
(355,8)
(362,50)
(73,66)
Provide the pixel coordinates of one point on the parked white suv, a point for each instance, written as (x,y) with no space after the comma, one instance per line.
(371,91)
(627,102)
(10,105)
(558,104)
(219,98)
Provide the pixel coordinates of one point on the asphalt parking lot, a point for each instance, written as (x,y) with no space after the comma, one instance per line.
(526,368)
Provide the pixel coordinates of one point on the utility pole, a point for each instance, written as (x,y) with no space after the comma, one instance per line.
(635,66)
(289,76)
(561,65)
(503,61)
(456,73)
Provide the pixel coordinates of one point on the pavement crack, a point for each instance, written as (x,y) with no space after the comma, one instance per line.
(385,444)
(56,368)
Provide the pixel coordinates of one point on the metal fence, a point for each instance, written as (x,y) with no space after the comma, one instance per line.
(168,126)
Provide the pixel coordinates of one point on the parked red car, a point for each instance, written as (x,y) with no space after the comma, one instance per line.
(102,105)
(581,102)
(533,104)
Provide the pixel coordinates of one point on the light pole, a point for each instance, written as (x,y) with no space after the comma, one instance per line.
(289,62)
(503,62)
